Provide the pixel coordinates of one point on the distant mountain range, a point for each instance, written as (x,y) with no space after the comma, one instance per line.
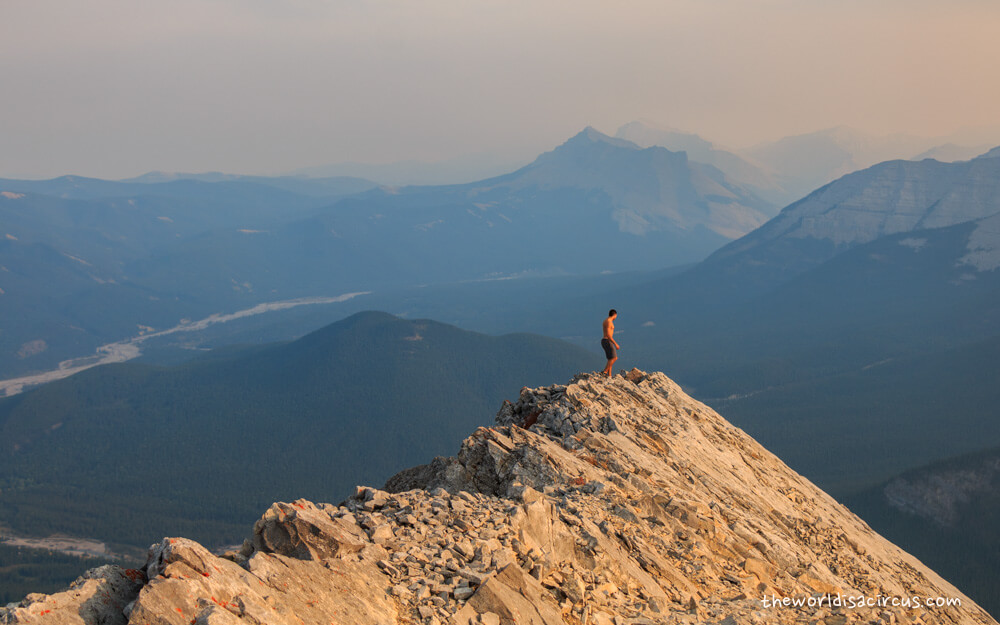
(225,189)
(805,162)
(315,186)
(126,453)
(787,169)
(88,261)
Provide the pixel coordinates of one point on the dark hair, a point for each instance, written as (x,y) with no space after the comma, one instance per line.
(612,312)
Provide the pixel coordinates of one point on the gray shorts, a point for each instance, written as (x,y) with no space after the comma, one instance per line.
(609,349)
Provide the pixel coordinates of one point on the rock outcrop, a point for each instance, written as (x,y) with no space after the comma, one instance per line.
(623,501)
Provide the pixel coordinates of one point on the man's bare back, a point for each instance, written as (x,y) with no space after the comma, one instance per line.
(609,343)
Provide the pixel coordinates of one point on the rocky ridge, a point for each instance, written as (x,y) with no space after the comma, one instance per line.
(620,501)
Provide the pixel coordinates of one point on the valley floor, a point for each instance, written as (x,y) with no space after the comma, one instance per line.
(129,349)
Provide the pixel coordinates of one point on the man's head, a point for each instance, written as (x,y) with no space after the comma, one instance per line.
(612,313)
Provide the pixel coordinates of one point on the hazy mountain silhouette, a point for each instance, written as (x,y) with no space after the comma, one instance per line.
(736,168)
(328,187)
(457,170)
(951,152)
(805,162)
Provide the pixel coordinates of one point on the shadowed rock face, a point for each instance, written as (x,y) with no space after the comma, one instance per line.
(940,495)
(626,501)
(98,596)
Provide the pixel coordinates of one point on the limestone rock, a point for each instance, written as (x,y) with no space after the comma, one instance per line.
(189,584)
(514,597)
(98,596)
(301,530)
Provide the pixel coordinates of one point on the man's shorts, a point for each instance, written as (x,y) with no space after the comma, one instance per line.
(609,349)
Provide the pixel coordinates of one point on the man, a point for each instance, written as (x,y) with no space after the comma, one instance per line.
(609,344)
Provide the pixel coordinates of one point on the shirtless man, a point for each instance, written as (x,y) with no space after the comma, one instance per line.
(609,343)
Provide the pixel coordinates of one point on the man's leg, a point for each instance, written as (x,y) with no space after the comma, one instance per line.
(611,363)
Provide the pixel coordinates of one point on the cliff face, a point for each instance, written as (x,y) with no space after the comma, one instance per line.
(623,501)
(889,198)
(939,495)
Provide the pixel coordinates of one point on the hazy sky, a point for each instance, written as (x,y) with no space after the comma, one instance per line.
(114,88)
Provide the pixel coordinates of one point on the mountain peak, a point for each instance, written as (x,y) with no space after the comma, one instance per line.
(598,501)
(651,189)
(591,135)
